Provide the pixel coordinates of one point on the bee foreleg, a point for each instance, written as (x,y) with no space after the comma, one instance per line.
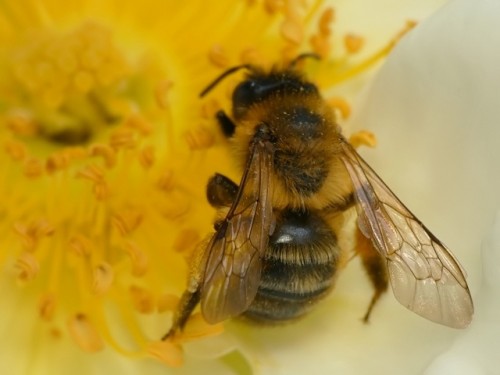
(221,191)
(375,267)
(226,124)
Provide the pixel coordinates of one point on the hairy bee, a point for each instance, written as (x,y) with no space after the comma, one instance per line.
(275,251)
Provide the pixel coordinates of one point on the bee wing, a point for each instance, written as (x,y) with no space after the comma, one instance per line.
(425,277)
(233,266)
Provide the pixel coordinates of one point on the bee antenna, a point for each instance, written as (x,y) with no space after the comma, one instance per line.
(302,56)
(228,72)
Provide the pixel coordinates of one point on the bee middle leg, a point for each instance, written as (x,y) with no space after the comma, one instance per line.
(221,191)
(375,267)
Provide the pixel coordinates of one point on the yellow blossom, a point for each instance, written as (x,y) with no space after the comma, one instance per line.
(106,150)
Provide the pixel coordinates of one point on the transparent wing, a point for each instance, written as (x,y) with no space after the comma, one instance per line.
(233,266)
(425,277)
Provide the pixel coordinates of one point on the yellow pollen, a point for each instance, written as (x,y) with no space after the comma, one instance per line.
(122,138)
(102,278)
(84,333)
(27,267)
(138,258)
(218,57)
(353,43)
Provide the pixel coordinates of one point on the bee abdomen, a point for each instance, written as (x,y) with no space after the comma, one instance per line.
(298,268)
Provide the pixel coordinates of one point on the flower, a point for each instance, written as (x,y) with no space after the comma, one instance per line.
(107,151)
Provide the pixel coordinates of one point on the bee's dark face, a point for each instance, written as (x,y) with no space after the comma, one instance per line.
(259,87)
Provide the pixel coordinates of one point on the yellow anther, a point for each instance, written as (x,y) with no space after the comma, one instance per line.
(142,300)
(33,168)
(126,222)
(161,93)
(80,245)
(363,138)
(218,57)
(139,123)
(27,267)
(166,352)
(166,182)
(292,30)
(341,105)
(326,20)
(147,156)
(47,306)
(91,172)
(21,124)
(273,6)
(102,278)
(138,258)
(122,138)
(16,150)
(200,138)
(84,333)
(353,43)
(106,152)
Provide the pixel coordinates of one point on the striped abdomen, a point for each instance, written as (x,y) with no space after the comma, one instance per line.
(298,268)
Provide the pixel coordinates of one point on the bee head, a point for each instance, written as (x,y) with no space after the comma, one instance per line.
(260,85)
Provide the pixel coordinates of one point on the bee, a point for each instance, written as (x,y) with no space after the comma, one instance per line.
(275,250)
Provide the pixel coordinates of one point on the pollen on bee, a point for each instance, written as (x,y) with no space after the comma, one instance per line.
(166,352)
(84,333)
(142,300)
(199,139)
(27,267)
(353,43)
(47,306)
(102,278)
(138,258)
(218,56)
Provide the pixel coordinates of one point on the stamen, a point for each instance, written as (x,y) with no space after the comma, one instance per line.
(341,105)
(122,138)
(85,334)
(27,267)
(106,152)
(353,43)
(218,56)
(166,352)
(142,299)
(80,245)
(33,168)
(320,42)
(199,139)
(126,222)
(102,278)
(147,156)
(363,138)
(138,258)
(292,30)
(161,94)
(167,181)
(16,150)
(47,306)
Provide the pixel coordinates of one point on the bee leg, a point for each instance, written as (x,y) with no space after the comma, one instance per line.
(226,124)
(221,191)
(375,267)
(188,302)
